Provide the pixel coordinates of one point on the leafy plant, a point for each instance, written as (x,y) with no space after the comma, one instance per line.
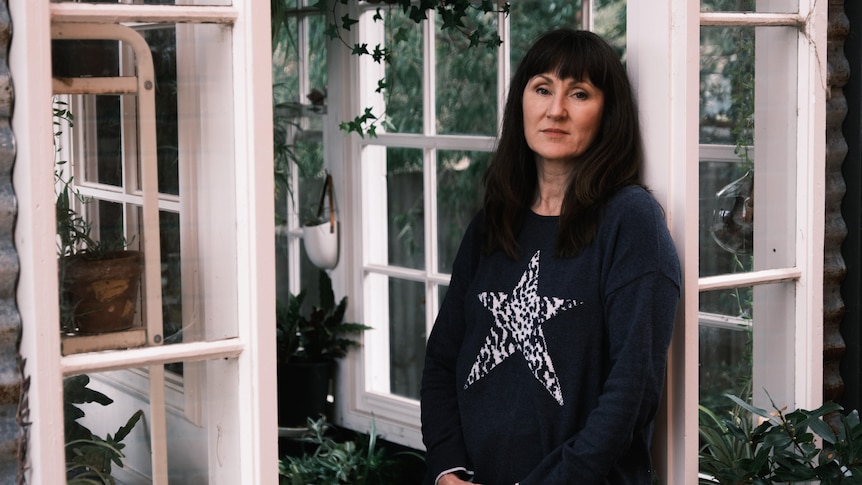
(319,335)
(455,17)
(784,448)
(359,461)
(89,458)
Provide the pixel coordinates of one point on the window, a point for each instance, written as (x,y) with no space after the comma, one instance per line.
(767,288)
(179,165)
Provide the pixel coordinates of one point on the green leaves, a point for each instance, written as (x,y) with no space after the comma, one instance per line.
(319,335)
(89,458)
(454,15)
(784,448)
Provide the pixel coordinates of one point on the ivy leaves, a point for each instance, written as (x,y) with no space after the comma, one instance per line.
(454,16)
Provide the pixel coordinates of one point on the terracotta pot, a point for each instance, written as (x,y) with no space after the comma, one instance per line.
(104,291)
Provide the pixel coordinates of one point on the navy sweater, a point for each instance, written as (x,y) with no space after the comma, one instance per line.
(544,370)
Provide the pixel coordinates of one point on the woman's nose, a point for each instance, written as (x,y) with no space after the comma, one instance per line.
(556,107)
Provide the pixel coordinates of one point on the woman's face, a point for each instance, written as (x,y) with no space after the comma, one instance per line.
(561,116)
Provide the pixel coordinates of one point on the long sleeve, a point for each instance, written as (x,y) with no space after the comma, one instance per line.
(441,422)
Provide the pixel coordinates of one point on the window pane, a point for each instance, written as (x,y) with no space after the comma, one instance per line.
(466,80)
(459,198)
(101,403)
(727,87)
(726,228)
(406,209)
(748,147)
(163,44)
(746,340)
(784,6)
(406,336)
(530,18)
(725,363)
(112,154)
(404,78)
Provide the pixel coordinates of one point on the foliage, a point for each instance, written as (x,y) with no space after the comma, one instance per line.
(358,461)
(73,230)
(318,336)
(89,458)
(455,17)
(784,448)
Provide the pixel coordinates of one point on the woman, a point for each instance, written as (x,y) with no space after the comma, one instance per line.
(547,359)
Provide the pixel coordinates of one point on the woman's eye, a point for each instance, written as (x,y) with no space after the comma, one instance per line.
(579,95)
(542,91)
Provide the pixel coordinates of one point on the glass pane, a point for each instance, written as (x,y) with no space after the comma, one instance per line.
(609,21)
(307,150)
(725,364)
(404,78)
(782,6)
(746,338)
(317,42)
(117,407)
(459,198)
(748,147)
(163,45)
(466,80)
(530,18)
(285,65)
(406,336)
(406,210)
(726,229)
(727,87)
(110,120)
(725,341)
(193,278)
(172,283)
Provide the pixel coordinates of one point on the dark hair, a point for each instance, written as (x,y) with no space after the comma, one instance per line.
(610,163)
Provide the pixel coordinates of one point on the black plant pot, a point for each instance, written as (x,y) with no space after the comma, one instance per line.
(302,391)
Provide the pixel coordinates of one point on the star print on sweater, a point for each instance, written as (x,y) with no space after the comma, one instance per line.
(517,320)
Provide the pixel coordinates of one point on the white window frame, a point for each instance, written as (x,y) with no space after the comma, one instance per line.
(663,40)
(241,407)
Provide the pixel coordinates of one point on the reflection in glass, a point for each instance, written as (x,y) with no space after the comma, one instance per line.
(406,336)
(733,219)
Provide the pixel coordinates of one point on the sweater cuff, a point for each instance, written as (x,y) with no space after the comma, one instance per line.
(462,472)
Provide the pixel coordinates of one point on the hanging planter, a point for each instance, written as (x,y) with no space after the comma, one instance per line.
(321,240)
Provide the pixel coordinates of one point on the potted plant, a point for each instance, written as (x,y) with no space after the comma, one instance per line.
(309,345)
(99,280)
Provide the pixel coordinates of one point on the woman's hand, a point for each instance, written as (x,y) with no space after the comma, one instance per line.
(451,479)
